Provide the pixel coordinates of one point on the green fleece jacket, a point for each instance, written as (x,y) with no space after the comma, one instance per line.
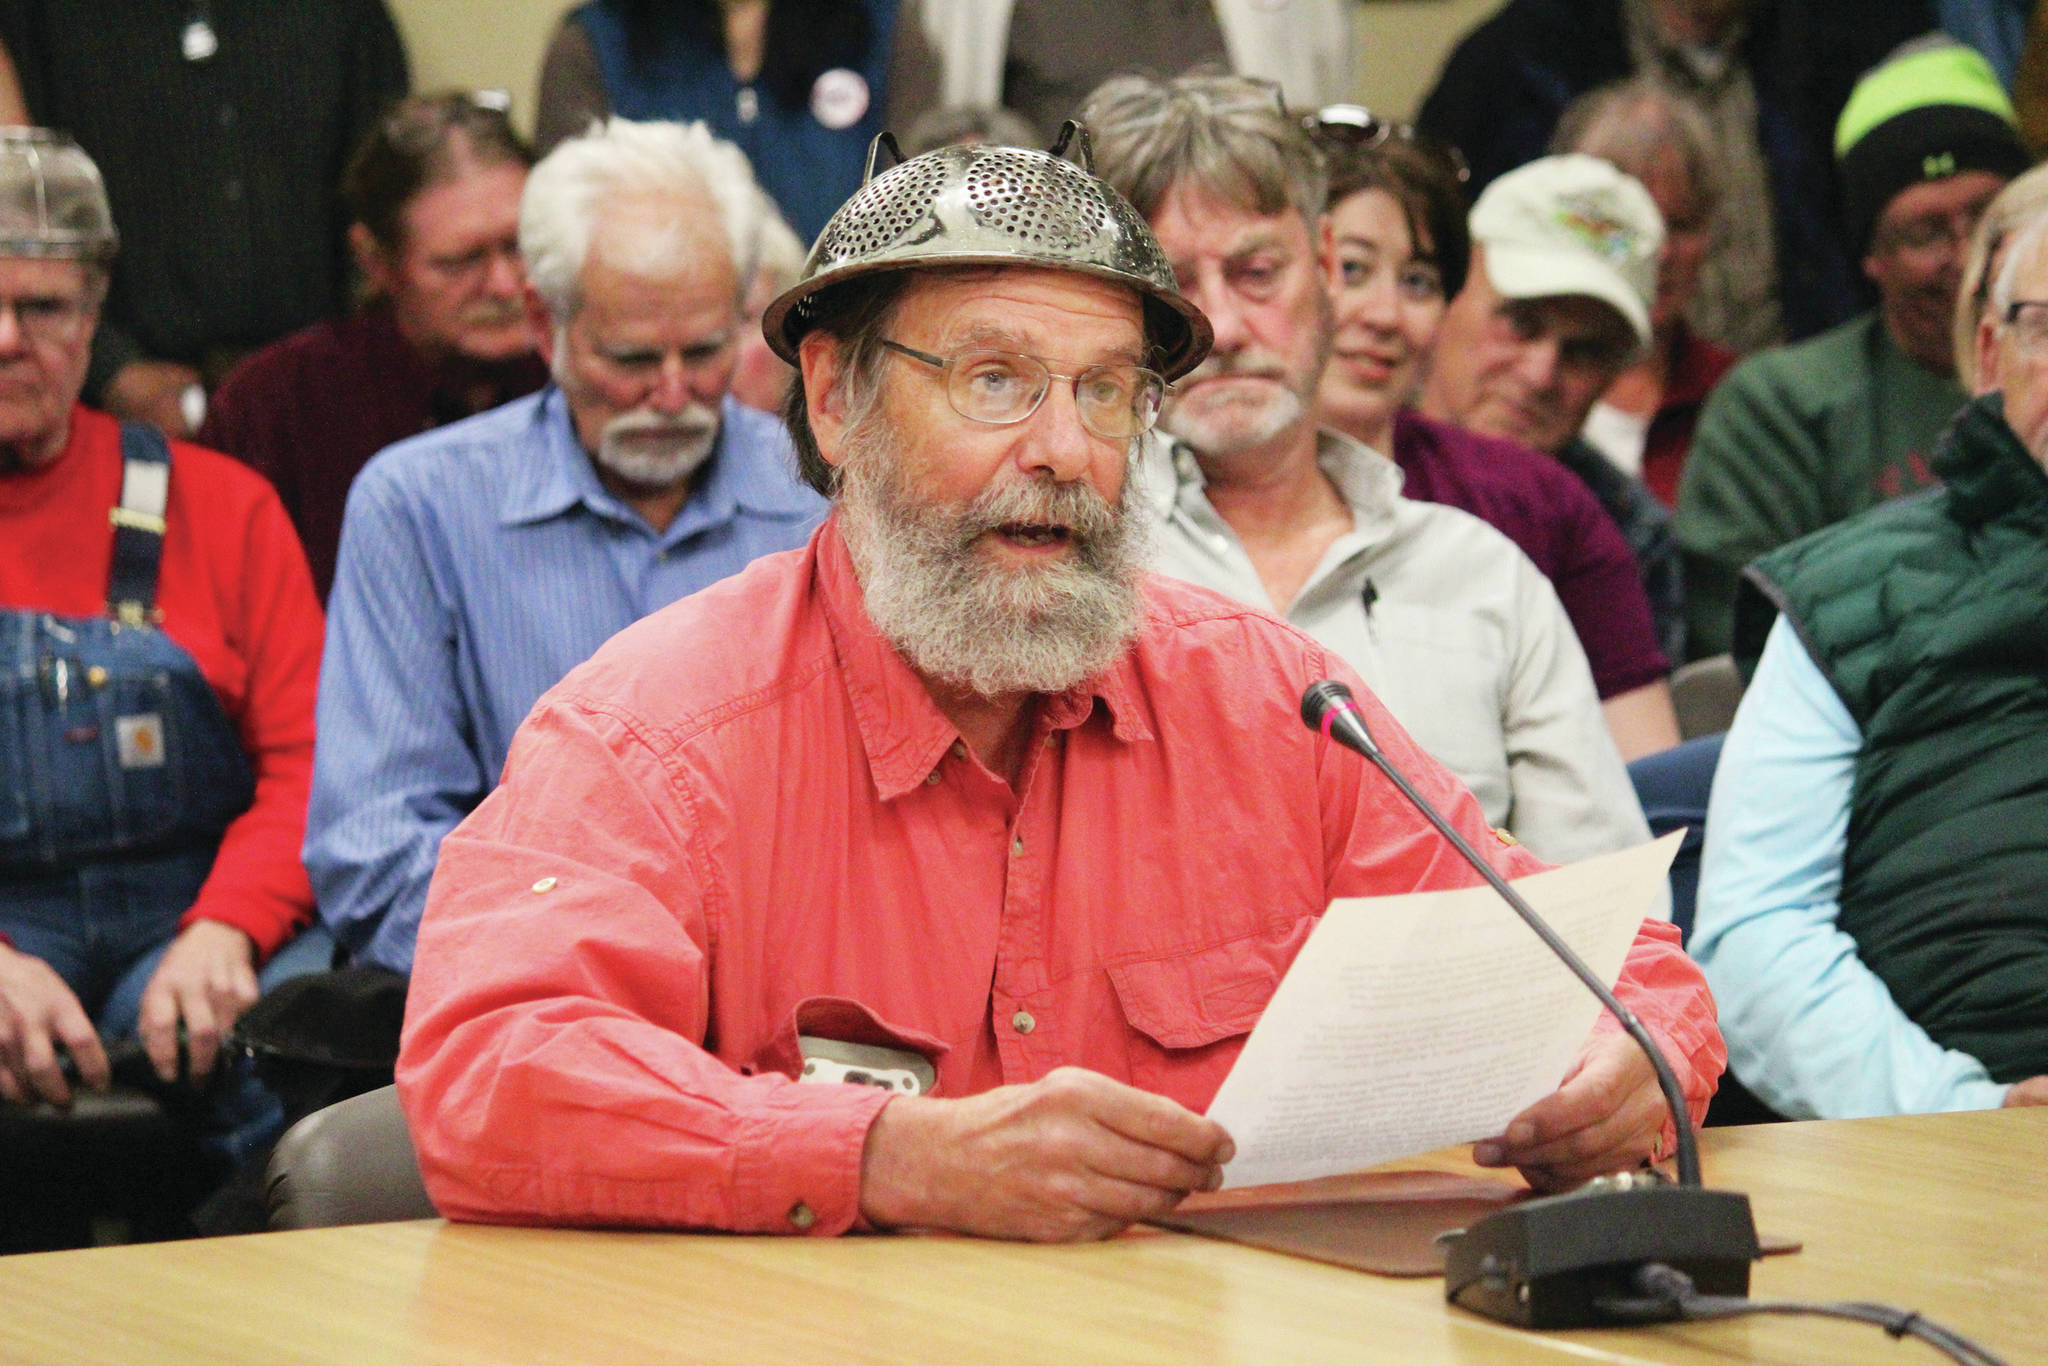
(1794,440)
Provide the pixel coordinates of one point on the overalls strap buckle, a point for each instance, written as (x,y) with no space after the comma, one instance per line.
(139,524)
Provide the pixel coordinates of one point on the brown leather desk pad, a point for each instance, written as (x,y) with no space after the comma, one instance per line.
(1383,1222)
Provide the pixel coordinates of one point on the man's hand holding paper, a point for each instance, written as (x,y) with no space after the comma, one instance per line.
(1410,1022)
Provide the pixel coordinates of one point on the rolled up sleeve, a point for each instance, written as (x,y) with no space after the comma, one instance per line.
(554,1068)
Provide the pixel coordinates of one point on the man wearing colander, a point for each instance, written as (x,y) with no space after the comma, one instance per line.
(955,801)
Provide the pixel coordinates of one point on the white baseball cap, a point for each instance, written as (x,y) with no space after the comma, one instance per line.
(1572,225)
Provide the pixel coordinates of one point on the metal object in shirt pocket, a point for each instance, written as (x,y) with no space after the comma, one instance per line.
(892,1069)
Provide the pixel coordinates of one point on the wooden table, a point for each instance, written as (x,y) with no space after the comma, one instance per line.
(1946,1214)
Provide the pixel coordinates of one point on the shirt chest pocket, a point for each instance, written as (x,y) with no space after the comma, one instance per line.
(1189,1012)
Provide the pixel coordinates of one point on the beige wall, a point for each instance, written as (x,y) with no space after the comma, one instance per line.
(1402,45)
(477,43)
(499,42)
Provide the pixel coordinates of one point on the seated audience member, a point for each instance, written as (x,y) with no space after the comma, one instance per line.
(1555,305)
(1041,58)
(435,194)
(1873,909)
(1798,439)
(2022,198)
(946,789)
(222,127)
(1770,76)
(159,644)
(970,125)
(481,562)
(1451,626)
(797,85)
(760,378)
(1643,424)
(1397,213)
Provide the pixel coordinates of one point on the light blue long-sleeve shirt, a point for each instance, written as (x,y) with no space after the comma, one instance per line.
(479,564)
(1810,1029)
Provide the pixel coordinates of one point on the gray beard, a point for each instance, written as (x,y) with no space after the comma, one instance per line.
(959,620)
(657,452)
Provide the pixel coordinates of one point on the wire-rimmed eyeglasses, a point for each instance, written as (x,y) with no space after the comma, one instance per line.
(2027,322)
(1117,402)
(1354,125)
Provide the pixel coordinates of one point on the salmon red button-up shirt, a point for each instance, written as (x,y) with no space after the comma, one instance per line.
(745,819)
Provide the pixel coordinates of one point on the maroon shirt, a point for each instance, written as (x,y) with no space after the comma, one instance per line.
(1546,510)
(1697,365)
(309,410)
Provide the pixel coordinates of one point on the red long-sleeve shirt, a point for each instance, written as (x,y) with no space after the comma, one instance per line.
(745,819)
(236,595)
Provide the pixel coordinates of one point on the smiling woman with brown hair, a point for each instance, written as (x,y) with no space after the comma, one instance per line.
(1402,248)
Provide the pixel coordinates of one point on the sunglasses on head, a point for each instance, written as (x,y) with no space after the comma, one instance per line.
(1353,125)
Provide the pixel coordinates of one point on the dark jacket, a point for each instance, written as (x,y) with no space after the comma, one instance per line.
(1929,617)
(1506,83)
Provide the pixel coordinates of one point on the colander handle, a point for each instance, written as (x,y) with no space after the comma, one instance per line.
(885,138)
(1068,131)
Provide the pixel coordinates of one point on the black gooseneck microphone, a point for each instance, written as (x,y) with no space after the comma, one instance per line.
(1551,1262)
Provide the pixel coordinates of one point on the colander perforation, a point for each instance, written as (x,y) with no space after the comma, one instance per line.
(1027,201)
(883,210)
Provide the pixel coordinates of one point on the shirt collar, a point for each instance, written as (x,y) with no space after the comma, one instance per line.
(902,730)
(1368,482)
(564,475)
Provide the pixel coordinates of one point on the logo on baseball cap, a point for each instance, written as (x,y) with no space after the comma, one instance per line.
(1572,225)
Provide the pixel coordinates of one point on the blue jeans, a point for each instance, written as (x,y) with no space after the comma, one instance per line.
(1673,787)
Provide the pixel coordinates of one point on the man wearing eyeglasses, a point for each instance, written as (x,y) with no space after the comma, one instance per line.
(955,804)
(1872,911)
(482,561)
(1798,439)
(435,193)
(1455,631)
(1555,306)
(159,643)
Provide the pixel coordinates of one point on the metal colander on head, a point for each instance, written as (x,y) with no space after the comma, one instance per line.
(52,202)
(993,206)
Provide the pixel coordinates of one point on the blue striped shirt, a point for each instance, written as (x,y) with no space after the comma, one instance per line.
(480,563)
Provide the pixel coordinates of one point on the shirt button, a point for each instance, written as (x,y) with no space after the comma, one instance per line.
(1022,1022)
(959,750)
(800,1215)
(931,778)
(546,884)
(1017,845)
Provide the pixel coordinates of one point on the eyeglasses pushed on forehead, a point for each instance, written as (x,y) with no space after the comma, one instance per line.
(1354,125)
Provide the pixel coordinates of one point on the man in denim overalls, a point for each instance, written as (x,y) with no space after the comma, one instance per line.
(159,648)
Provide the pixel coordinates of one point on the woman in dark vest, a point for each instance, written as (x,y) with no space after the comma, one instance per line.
(798,85)
(1873,910)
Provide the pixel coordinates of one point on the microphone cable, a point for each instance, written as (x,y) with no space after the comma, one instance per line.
(1665,1289)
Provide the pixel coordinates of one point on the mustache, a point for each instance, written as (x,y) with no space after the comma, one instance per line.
(694,420)
(1249,363)
(494,312)
(1087,516)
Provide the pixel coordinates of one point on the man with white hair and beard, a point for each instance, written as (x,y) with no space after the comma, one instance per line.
(955,804)
(482,561)
(1458,634)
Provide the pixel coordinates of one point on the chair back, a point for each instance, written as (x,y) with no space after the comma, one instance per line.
(1705,694)
(351,1163)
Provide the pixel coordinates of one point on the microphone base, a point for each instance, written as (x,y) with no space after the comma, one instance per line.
(1546,1263)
